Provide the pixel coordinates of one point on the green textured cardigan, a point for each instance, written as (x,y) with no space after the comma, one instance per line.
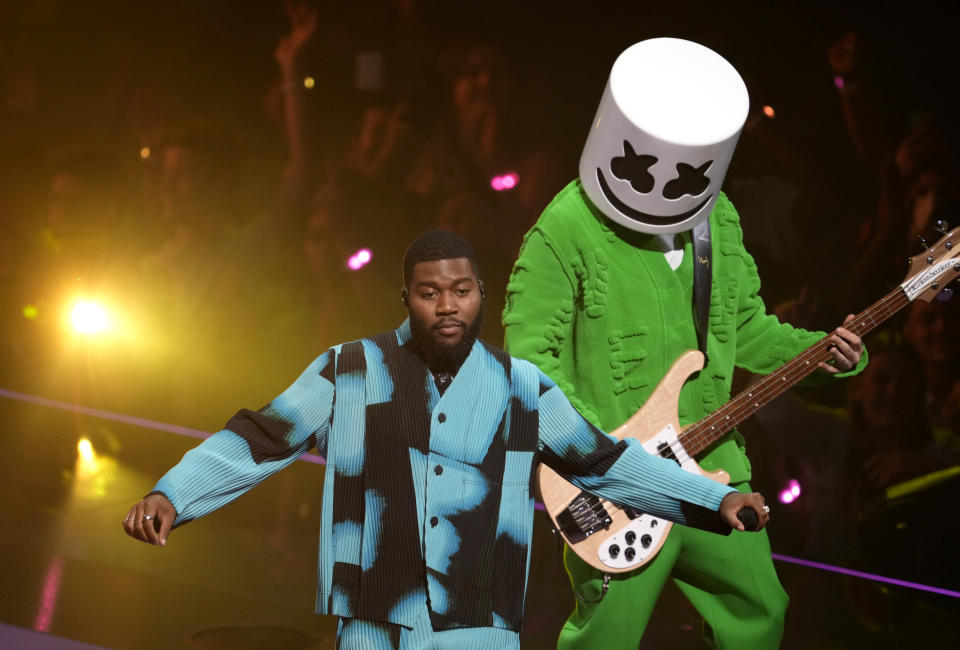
(599,310)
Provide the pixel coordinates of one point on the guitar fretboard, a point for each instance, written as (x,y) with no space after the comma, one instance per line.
(705,432)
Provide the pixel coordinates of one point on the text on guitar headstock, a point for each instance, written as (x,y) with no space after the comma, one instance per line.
(931,270)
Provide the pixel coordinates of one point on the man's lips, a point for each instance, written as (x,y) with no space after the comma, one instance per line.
(449,327)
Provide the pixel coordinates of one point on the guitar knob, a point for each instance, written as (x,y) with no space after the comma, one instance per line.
(631,537)
(654,523)
(646,540)
(614,550)
(630,553)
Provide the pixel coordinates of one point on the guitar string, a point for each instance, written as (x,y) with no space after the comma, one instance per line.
(786,376)
(700,434)
(750,400)
(703,433)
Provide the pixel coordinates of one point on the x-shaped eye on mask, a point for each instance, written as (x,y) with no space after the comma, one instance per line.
(634,168)
(690,180)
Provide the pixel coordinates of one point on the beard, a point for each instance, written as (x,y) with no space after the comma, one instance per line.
(439,356)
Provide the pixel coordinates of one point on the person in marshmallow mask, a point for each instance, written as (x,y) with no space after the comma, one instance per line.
(605,296)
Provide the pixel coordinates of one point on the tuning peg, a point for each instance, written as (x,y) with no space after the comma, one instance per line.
(942,227)
(923,242)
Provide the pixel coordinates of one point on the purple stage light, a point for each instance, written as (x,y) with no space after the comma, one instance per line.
(359,259)
(790,493)
(866,576)
(503,182)
(49,595)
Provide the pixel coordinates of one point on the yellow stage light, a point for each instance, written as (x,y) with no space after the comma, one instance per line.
(30,311)
(85,449)
(309,82)
(88,317)
(87,463)
(145,152)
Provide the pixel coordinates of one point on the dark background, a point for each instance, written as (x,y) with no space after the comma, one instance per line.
(70,75)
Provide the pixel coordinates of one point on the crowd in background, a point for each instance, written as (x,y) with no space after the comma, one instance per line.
(216,209)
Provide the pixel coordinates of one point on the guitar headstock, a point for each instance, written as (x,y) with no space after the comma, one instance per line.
(931,270)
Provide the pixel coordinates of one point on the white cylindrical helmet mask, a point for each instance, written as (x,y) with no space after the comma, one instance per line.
(662,140)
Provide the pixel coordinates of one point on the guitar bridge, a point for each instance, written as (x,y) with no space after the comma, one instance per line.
(583,517)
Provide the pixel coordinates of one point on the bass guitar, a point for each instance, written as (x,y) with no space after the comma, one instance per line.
(616,539)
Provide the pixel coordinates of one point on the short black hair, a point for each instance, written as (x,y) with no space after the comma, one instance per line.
(437,245)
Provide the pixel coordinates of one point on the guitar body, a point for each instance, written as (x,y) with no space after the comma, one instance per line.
(605,536)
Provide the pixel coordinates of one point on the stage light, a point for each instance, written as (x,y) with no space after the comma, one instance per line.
(30,312)
(49,595)
(503,182)
(87,463)
(88,317)
(309,82)
(838,82)
(790,493)
(145,153)
(769,112)
(85,449)
(359,259)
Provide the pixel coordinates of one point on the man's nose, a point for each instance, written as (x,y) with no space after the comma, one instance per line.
(446,304)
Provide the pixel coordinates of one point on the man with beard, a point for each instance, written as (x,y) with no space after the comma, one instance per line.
(430,443)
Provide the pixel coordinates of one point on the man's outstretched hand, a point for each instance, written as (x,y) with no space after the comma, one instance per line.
(733,502)
(150,519)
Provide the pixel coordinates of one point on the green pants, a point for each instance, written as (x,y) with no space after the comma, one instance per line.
(730,580)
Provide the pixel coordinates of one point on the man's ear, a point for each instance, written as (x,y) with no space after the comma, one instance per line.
(483,294)
(404,297)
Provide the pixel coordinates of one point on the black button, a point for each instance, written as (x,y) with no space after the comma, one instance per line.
(614,550)
(438,470)
(629,554)
(631,537)
(442,417)
(646,540)
(433,522)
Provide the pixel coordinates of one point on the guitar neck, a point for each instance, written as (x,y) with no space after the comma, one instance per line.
(705,432)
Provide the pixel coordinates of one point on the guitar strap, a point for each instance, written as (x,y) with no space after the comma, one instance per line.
(702,261)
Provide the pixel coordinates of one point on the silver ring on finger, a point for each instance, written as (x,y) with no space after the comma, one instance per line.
(147,517)
(766,509)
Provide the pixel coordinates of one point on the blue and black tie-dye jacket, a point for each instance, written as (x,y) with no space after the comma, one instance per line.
(429,496)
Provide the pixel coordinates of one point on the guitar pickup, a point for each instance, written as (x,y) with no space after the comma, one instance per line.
(583,517)
(666,451)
